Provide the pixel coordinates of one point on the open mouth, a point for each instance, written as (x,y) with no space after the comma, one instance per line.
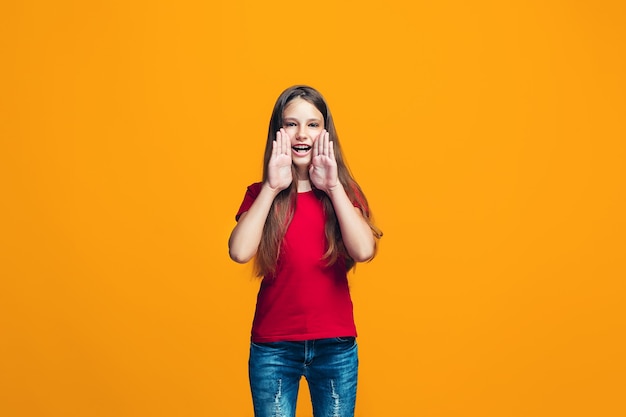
(301,148)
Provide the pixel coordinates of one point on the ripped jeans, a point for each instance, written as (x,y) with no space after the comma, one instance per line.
(330,367)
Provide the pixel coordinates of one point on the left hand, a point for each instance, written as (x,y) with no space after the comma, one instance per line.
(323,169)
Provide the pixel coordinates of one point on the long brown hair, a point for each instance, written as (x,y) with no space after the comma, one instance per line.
(283,206)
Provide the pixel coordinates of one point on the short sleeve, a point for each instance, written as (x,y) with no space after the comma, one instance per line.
(359,200)
(251,194)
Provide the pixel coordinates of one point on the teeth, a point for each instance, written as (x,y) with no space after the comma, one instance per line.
(301,148)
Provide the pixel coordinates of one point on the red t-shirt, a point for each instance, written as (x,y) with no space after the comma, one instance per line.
(305,299)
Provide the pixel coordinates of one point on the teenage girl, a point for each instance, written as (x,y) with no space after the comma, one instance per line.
(306,224)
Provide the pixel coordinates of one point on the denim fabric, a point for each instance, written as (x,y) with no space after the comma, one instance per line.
(330,367)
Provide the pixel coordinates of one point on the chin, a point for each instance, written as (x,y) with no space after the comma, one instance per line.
(302,166)
(302,163)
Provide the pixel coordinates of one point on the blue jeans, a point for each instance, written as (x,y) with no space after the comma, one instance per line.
(330,367)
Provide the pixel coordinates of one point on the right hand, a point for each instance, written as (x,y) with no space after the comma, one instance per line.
(279,174)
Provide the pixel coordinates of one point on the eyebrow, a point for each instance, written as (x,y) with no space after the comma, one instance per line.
(296,119)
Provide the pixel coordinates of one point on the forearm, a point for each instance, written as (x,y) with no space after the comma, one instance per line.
(246,236)
(356,232)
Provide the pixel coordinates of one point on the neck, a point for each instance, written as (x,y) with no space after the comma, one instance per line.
(304,186)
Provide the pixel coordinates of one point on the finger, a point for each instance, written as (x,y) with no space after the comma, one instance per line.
(276,144)
(320,143)
(286,142)
(325,143)
(279,142)
(316,145)
(331,150)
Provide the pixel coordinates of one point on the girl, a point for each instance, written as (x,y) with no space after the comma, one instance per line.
(307,224)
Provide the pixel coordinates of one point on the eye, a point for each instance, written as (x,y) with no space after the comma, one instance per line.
(314,125)
(290,124)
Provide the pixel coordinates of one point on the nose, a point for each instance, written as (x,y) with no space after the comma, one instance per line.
(301,134)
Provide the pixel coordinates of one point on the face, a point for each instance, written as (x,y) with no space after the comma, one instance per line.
(303,123)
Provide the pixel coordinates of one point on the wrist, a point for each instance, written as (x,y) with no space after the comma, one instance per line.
(335,188)
(273,190)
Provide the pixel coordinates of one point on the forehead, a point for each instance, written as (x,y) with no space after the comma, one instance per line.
(300,108)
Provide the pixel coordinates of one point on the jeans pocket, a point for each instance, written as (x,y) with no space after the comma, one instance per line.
(267,345)
(345,339)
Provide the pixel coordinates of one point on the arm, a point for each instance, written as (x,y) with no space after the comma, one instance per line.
(245,238)
(356,232)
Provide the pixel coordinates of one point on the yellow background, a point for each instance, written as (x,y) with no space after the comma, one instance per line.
(489,136)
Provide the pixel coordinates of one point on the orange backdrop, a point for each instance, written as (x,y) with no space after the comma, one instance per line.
(489,137)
